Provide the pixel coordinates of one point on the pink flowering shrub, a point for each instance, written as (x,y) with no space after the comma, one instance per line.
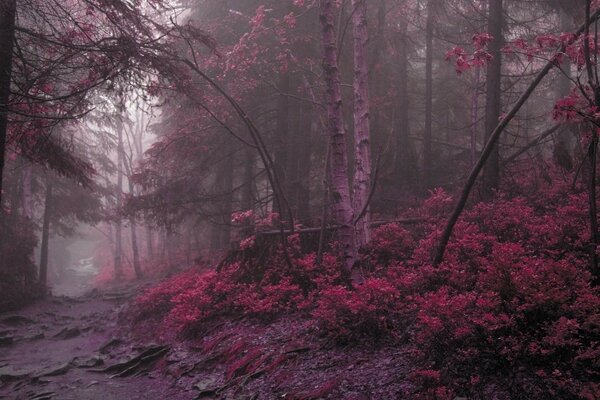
(390,243)
(369,310)
(523,323)
(509,313)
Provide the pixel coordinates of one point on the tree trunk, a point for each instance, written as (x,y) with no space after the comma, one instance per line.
(119,204)
(491,172)
(405,160)
(134,242)
(281,158)
(27,195)
(308,124)
(7,36)
(247,196)
(475,114)
(492,141)
(593,209)
(149,243)
(342,210)
(362,129)
(427,145)
(221,229)
(45,237)
(563,146)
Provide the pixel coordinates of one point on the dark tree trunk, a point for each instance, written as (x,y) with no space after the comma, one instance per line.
(149,243)
(137,267)
(221,230)
(303,165)
(45,237)
(593,208)
(7,36)
(405,159)
(563,146)
(247,196)
(427,145)
(491,172)
(118,205)
(281,158)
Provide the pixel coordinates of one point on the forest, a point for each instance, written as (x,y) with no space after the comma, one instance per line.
(299,199)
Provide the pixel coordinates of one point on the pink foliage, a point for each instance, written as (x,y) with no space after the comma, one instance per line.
(510,310)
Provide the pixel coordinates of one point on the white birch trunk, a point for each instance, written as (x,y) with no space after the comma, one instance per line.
(362,129)
(342,210)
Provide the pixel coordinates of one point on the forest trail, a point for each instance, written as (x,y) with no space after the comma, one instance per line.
(72,348)
(84,347)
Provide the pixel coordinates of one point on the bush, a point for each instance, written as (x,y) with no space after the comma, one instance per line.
(510,313)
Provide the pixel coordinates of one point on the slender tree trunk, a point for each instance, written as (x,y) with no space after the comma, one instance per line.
(27,196)
(137,267)
(309,124)
(362,129)
(405,158)
(592,76)
(593,208)
(163,238)
(491,172)
(247,195)
(492,141)
(16,187)
(119,204)
(149,243)
(475,115)
(283,137)
(221,230)
(563,146)
(45,237)
(427,145)
(247,200)
(342,210)
(227,205)
(7,36)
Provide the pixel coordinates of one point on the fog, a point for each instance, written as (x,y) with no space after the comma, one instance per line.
(408,186)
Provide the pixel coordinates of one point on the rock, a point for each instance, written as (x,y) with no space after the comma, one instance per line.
(206,384)
(68,333)
(9,374)
(55,371)
(43,396)
(105,348)
(137,364)
(91,362)
(6,341)
(16,320)
(34,336)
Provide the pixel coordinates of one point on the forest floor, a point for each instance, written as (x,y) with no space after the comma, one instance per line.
(74,348)
(82,348)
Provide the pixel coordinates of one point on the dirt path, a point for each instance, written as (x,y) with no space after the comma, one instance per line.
(74,348)
(71,348)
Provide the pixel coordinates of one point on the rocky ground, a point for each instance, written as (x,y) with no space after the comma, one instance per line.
(82,348)
(74,348)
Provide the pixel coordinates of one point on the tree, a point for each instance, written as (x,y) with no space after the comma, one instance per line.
(427,145)
(7,34)
(45,236)
(342,210)
(362,129)
(493,104)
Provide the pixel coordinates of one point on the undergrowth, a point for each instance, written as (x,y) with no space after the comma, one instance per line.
(510,311)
